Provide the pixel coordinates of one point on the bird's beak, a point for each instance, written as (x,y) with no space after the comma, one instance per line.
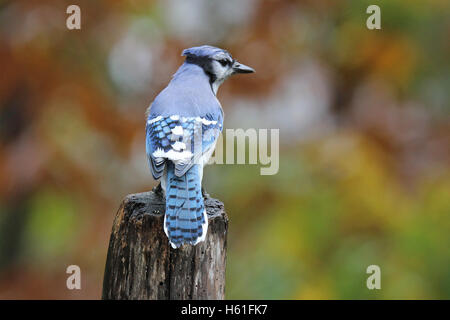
(242,68)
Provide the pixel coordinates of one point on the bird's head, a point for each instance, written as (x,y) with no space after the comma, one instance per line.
(217,63)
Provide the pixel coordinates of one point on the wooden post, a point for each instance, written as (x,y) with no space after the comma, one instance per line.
(141,264)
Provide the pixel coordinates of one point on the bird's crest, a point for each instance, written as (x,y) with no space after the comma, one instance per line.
(207,52)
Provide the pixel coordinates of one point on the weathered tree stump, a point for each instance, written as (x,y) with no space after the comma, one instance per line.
(141,264)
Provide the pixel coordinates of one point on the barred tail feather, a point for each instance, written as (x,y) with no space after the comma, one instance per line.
(185,220)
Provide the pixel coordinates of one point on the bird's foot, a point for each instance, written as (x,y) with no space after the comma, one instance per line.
(158,190)
(205,194)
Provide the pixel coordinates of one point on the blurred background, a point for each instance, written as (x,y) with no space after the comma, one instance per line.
(364,141)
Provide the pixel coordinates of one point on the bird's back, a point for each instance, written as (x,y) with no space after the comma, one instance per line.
(189,94)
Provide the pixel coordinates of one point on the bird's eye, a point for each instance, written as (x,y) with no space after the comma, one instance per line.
(224,62)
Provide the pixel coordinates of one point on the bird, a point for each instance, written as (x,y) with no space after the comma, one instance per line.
(182,126)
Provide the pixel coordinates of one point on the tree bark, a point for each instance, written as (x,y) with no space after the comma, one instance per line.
(141,264)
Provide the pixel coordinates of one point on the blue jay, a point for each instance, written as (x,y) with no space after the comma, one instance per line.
(183,124)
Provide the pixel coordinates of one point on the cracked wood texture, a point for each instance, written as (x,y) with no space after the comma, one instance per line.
(141,264)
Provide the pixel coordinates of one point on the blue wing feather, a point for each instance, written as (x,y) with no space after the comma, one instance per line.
(160,136)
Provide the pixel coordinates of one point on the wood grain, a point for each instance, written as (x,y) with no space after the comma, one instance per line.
(141,264)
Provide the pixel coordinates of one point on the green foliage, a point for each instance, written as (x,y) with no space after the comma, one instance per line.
(51,226)
(313,233)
